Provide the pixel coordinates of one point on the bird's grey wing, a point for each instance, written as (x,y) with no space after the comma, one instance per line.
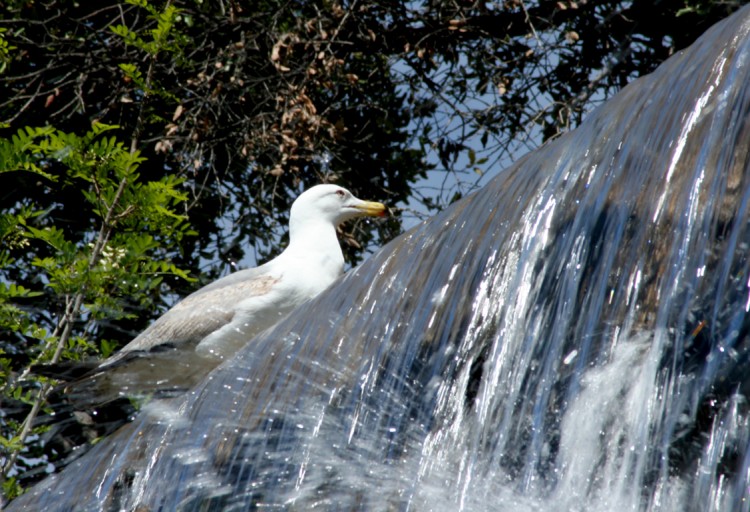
(201,313)
(163,357)
(241,276)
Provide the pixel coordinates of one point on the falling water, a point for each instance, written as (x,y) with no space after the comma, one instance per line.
(573,337)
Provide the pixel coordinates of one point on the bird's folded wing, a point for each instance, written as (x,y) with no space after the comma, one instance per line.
(163,356)
(201,313)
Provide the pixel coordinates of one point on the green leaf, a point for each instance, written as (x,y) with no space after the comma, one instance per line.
(107,347)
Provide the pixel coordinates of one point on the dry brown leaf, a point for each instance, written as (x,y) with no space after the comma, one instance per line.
(178,112)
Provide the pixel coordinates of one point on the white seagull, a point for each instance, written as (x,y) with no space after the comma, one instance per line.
(211,324)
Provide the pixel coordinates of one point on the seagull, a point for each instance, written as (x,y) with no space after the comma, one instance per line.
(211,324)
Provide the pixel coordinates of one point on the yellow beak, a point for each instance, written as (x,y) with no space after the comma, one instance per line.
(372,209)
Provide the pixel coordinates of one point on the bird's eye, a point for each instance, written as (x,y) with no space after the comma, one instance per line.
(341,193)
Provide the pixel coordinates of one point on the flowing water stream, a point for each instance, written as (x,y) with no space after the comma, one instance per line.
(573,337)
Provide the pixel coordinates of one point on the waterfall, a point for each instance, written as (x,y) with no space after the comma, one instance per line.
(574,336)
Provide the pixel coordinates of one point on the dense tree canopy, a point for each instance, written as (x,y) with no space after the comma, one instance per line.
(150,144)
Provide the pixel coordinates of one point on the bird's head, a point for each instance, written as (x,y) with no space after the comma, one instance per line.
(334,204)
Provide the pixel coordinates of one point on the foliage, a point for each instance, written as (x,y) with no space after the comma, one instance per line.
(86,278)
(255,100)
(128,125)
(5,50)
(62,288)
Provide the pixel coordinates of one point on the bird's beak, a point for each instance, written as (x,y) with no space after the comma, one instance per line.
(371,208)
